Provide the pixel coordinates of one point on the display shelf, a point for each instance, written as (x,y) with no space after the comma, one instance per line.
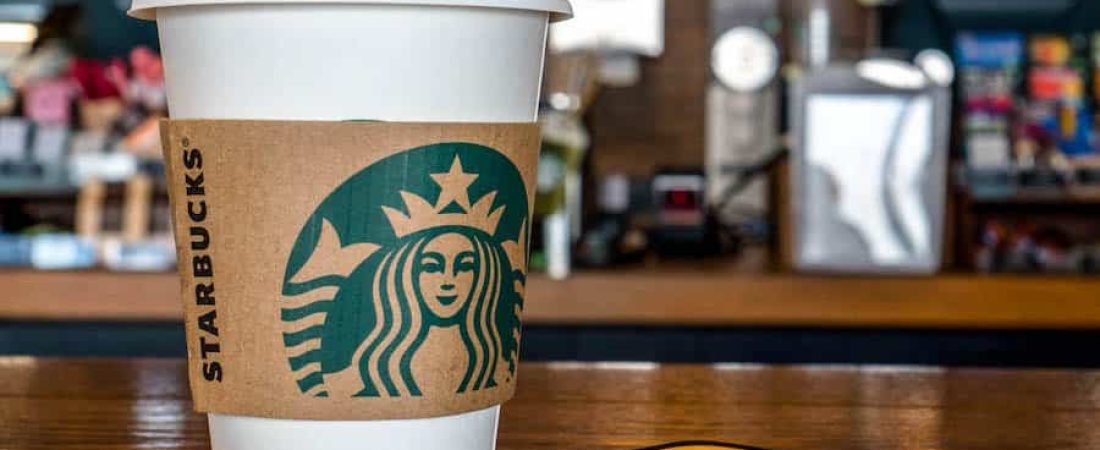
(1041,197)
(648,297)
(64,191)
(36,189)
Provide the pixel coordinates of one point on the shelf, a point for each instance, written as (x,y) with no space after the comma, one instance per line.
(37,189)
(95,295)
(1042,197)
(651,298)
(950,301)
(66,192)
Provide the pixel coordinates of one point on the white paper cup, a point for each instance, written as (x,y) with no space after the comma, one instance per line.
(395,60)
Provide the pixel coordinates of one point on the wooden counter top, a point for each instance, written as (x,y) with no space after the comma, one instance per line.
(652,297)
(137,404)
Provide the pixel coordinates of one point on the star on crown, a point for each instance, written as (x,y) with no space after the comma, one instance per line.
(454,185)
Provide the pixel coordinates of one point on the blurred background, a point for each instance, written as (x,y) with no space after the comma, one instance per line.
(775,181)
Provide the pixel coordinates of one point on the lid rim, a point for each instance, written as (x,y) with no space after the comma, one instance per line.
(559,9)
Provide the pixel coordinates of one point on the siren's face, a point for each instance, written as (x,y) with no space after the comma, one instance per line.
(446,271)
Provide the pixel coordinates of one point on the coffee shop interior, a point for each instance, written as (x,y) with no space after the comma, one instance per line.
(804,223)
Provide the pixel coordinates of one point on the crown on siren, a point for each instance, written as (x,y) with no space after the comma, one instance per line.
(454,189)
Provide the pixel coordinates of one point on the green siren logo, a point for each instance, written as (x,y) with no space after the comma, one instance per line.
(414,257)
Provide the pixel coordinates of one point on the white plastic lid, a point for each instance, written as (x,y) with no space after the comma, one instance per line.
(558,9)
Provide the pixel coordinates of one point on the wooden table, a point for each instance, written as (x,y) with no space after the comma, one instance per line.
(54,404)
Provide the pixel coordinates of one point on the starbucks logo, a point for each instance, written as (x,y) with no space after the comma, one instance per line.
(424,247)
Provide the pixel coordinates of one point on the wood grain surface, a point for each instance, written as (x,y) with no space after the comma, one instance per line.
(54,404)
(696,295)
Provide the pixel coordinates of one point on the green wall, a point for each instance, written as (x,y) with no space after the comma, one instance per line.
(109,32)
(918,24)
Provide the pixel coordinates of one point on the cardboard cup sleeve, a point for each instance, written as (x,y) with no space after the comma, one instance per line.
(351,270)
